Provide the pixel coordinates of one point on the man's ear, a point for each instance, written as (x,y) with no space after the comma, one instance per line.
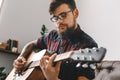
(76,13)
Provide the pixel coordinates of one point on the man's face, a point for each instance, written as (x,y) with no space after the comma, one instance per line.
(65,19)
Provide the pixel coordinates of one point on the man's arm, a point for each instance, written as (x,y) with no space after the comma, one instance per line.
(28,48)
(19,63)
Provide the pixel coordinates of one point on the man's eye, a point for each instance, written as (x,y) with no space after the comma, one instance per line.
(63,15)
(55,18)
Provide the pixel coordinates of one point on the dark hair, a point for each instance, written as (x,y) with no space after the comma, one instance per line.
(56,3)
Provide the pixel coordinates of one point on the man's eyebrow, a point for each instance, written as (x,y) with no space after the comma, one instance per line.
(58,14)
(61,13)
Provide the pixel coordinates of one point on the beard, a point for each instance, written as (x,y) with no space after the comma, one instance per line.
(68,32)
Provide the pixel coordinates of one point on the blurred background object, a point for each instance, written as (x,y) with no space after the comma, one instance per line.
(3,45)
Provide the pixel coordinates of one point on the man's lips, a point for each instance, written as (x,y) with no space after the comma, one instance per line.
(61,26)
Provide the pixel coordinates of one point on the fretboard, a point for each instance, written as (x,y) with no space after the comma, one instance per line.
(59,57)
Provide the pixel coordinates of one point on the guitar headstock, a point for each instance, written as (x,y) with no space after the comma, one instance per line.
(90,55)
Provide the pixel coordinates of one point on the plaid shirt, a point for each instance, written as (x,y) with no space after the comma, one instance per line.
(55,43)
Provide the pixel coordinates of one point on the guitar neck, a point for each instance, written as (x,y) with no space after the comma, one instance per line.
(59,57)
(63,56)
(82,55)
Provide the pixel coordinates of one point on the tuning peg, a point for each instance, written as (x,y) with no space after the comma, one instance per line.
(93,66)
(95,49)
(88,50)
(91,58)
(83,57)
(81,51)
(85,65)
(78,64)
(78,58)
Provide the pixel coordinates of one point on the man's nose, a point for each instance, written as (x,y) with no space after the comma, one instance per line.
(59,21)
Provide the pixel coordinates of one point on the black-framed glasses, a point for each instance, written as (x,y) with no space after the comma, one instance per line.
(61,16)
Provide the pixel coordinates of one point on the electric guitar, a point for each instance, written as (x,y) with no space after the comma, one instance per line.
(33,72)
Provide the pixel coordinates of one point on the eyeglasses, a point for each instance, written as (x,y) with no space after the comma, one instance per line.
(61,16)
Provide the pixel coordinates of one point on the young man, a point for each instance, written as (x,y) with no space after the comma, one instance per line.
(69,36)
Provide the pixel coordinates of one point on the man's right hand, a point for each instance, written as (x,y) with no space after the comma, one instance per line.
(19,64)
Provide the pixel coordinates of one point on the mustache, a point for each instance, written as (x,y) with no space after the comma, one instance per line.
(61,24)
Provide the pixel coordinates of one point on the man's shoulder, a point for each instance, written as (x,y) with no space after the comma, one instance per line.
(88,40)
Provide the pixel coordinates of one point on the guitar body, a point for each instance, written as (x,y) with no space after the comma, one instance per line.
(33,73)
(36,74)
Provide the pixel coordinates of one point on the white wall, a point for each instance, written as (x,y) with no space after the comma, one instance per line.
(22,20)
(101,19)
(0,2)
